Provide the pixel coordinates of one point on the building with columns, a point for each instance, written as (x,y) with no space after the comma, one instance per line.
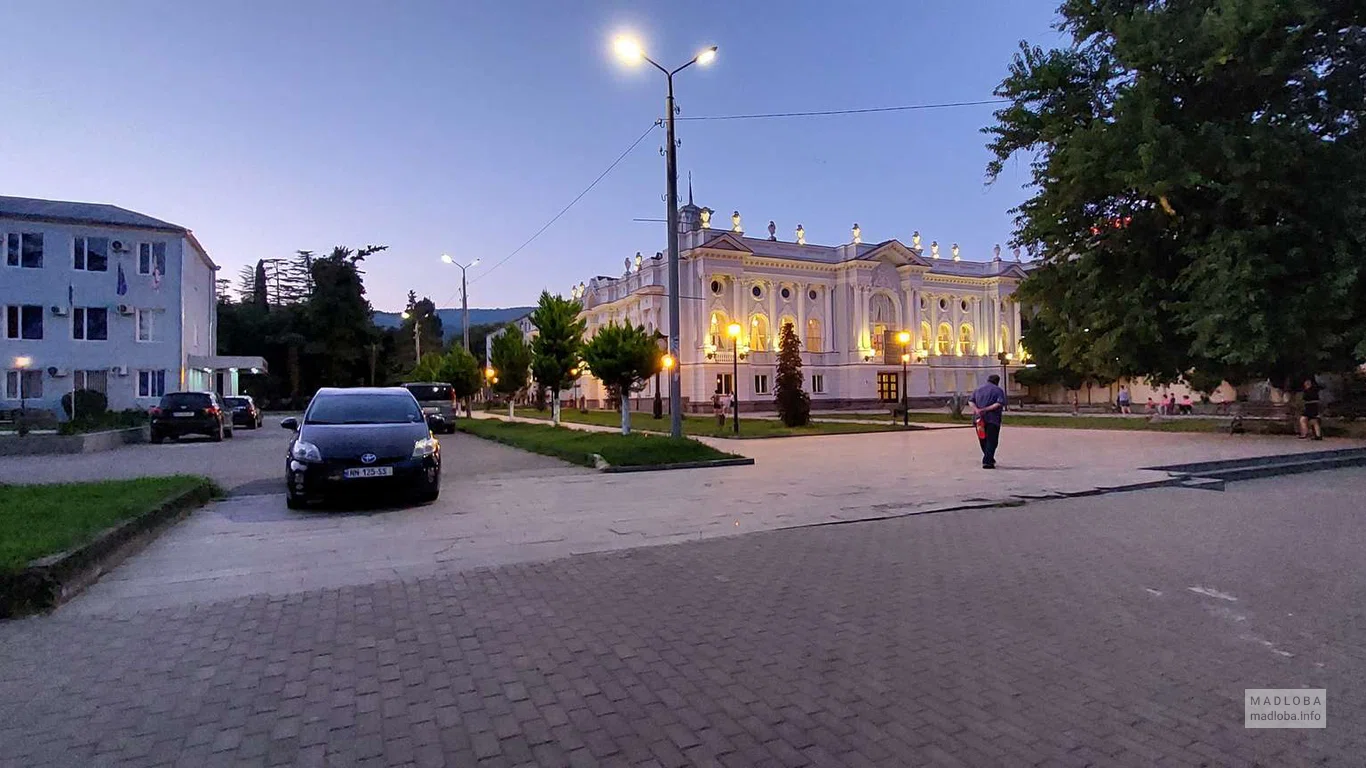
(847,303)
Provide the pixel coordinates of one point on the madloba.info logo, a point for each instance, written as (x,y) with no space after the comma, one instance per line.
(1285,708)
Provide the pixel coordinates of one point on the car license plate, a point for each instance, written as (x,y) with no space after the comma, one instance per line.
(240,409)
(351,474)
(431,410)
(184,414)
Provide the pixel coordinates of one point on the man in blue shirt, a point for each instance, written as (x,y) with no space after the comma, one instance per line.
(988,401)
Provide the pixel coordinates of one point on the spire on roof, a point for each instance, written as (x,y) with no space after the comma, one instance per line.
(689,187)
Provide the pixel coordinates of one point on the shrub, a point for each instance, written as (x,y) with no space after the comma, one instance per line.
(89,402)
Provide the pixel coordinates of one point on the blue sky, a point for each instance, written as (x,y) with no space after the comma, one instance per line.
(462,127)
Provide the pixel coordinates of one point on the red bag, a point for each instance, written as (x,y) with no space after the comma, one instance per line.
(981,425)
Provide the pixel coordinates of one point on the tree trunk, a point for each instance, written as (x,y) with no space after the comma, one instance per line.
(511,415)
(625,415)
(555,407)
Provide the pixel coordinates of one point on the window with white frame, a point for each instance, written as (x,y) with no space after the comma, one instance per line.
(24,249)
(761,383)
(152,258)
(146,325)
(818,383)
(90,254)
(25,384)
(90,323)
(151,383)
(724,383)
(24,321)
(98,380)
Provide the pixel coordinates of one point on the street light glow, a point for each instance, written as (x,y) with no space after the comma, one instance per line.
(668,362)
(488,373)
(446,257)
(905,358)
(706,57)
(904,337)
(734,330)
(23,362)
(628,50)
(405,314)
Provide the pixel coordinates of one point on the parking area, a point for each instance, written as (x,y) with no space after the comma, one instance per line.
(252,462)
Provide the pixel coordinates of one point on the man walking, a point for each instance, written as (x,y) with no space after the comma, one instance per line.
(1310,426)
(988,401)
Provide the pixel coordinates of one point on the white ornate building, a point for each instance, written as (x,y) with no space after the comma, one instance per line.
(847,303)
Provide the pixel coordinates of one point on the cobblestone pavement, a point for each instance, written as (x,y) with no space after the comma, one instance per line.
(1066,632)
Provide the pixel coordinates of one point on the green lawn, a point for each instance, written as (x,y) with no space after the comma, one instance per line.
(705,426)
(39,520)
(577,446)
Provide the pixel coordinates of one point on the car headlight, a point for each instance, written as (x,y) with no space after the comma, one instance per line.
(305,451)
(424,447)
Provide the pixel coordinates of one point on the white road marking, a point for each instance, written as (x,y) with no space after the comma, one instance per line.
(1207,592)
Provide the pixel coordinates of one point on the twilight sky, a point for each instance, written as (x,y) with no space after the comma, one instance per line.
(462,127)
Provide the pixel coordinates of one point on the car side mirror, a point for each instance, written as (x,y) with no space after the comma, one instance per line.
(290,423)
(436,422)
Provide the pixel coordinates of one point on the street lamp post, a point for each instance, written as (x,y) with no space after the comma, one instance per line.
(417,335)
(1005,358)
(22,363)
(464,295)
(905,338)
(631,52)
(734,330)
(666,363)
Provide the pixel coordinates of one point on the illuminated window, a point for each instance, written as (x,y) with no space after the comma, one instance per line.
(1005,339)
(925,336)
(718,329)
(943,343)
(888,387)
(759,340)
(787,322)
(813,335)
(965,340)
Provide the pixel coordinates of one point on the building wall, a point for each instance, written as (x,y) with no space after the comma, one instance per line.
(48,287)
(199,315)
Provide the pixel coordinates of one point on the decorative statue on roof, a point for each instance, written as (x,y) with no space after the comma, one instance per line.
(659,255)
(1017,253)
(996,252)
(627,262)
(956,257)
(735,222)
(915,239)
(801,235)
(858,234)
(640,261)
(706,218)
(772,230)
(934,249)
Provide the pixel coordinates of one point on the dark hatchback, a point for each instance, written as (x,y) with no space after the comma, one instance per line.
(361,442)
(244,411)
(190,413)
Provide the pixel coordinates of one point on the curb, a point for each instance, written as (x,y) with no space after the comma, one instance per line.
(602,466)
(1255,467)
(49,581)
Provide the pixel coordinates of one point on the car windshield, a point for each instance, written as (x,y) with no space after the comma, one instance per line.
(364,409)
(186,400)
(428,392)
(236,401)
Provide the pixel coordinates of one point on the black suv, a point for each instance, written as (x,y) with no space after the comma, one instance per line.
(244,411)
(191,413)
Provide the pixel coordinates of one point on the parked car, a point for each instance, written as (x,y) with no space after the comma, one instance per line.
(190,413)
(436,399)
(244,411)
(366,439)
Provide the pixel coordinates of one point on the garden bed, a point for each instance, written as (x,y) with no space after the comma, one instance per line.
(579,446)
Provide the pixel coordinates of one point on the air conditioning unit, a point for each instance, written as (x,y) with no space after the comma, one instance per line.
(59,311)
(119,370)
(58,373)
(117,245)
(125,309)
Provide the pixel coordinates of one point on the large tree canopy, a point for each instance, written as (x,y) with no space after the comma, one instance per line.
(1199,185)
(556,347)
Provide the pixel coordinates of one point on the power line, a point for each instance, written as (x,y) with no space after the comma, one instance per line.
(864,111)
(565,209)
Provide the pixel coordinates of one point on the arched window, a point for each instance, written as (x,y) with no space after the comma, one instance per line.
(717,331)
(965,340)
(943,344)
(1005,340)
(925,335)
(759,340)
(881,316)
(814,342)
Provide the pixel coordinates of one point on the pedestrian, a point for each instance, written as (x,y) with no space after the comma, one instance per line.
(1076,404)
(1152,406)
(1310,426)
(717,410)
(1187,407)
(1124,400)
(988,401)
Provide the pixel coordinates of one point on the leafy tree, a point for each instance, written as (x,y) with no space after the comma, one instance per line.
(1199,183)
(794,404)
(511,361)
(622,357)
(338,317)
(456,367)
(555,350)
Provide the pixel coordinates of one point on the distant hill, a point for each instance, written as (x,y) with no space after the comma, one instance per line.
(450,318)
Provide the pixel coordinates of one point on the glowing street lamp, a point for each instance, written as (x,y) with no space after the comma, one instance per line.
(630,51)
(22,363)
(733,330)
(904,338)
(464,295)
